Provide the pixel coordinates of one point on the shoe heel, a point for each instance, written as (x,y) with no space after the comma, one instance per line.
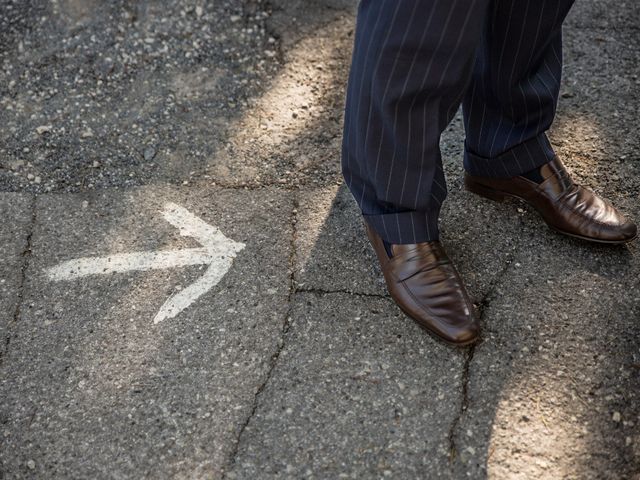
(487,192)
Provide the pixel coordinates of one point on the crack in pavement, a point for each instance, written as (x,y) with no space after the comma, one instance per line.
(281,344)
(469,353)
(26,255)
(464,404)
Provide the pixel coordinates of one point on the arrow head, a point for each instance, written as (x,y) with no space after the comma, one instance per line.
(221,249)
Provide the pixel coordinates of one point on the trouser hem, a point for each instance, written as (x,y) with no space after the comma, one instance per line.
(522,158)
(406,227)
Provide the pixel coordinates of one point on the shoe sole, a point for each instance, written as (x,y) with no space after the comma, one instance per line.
(500,197)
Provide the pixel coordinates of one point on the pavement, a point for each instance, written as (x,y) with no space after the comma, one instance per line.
(183,157)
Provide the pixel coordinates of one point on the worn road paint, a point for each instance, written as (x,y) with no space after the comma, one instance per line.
(217,251)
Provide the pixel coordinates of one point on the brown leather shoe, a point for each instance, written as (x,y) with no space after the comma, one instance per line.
(566,207)
(426,286)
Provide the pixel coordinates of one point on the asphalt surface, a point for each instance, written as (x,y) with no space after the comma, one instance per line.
(295,363)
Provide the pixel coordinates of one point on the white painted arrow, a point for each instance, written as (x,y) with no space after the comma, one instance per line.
(217,251)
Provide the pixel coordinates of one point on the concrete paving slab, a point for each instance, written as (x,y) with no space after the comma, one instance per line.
(92,388)
(359,391)
(15,212)
(553,389)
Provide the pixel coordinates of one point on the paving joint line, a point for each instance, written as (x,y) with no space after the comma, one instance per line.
(320,291)
(26,256)
(464,404)
(281,343)
(240,187)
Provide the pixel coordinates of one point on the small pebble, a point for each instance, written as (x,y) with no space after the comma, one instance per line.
(149,153)
(43,129)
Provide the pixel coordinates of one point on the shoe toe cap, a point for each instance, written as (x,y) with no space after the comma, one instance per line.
(623,231)
(463,328)
(629,230)
(469,334)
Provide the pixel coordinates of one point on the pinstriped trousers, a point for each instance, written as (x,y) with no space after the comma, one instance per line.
(414,63)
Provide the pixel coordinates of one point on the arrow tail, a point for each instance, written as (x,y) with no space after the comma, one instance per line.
(124,262)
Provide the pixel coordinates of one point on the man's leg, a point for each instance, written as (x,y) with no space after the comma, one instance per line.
(411,64)
(512,100)
(509,107)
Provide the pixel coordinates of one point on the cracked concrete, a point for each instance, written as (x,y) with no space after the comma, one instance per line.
(464,404)
(281,344)
(298,364)
(551,373)
(17,212)
(356,394)
(105,375)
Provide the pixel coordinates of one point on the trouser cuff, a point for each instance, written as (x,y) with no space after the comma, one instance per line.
(406,227)
(520,159)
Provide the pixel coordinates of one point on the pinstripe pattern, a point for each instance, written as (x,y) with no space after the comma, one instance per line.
(508,110)
(414,62)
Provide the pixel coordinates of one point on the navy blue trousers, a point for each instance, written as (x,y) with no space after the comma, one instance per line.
(414,63)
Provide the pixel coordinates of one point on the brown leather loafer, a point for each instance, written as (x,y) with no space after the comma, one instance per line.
(426,286)
(566,207)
